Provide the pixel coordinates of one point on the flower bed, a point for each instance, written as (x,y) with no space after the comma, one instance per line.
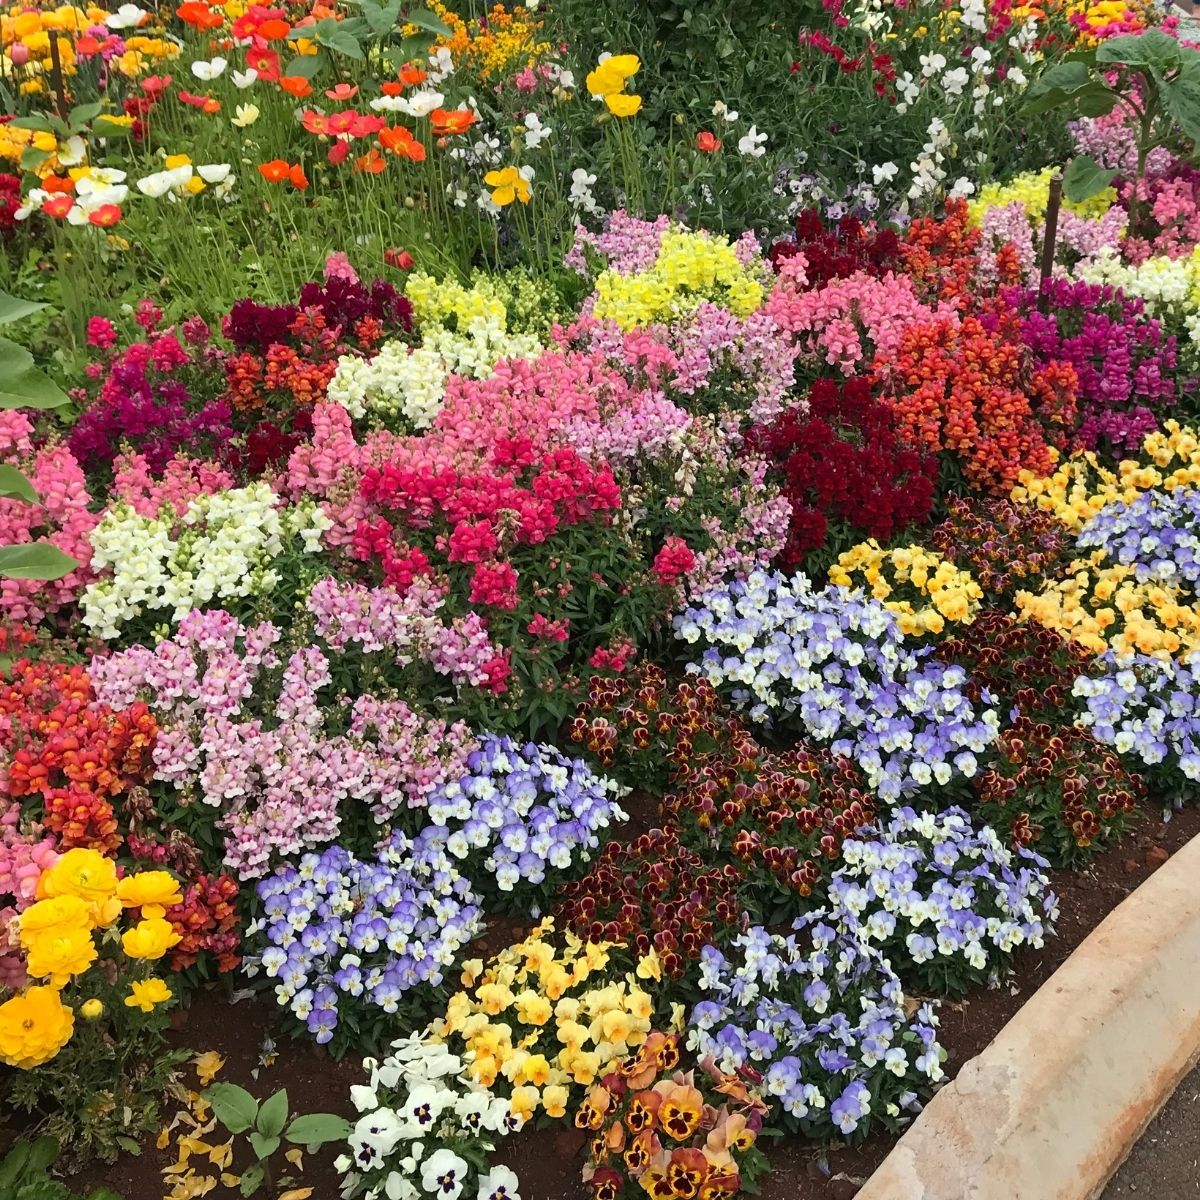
(604,678)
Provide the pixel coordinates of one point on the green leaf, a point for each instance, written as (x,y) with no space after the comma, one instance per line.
(315,1129)
(233,1106)
(37,560)
(1084,178)
(422,18)
(305,65)
(15,486)
(263,1146)
(106,127)
(39,123)
(22,385)
(1181,99)
(1065,77)
(32,158)
(81,115)
(343,42)
(13,308)
(13,1165)
(1153,49)
(252,1179)
(273,1114)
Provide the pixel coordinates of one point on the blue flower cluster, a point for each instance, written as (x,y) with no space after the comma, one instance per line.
(943,901)
(821,1015)
(835,662)
(519,811)
(1158,534)
(1148,707)
(336,926)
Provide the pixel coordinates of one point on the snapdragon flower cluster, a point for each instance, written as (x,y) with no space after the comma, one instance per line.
(1147,707)
(1158,534)
(518,813)
(243,730)
(834,664)
(822,1017)
(419,1109)
(222,546)
(945,902)
(341,933)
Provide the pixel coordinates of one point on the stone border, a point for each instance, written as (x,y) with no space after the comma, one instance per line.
(1052,1107)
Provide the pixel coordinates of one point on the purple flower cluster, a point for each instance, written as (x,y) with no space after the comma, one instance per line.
(518,812)
(339,932)
(1158,534)
(835,664)
(822,1016)
(944,902)
(1124,360)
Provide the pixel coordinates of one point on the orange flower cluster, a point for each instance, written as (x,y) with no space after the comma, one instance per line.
(75,755)
(941,254)
(660,1131)
(977,395)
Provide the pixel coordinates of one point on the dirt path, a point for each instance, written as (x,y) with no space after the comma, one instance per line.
(1165,1164)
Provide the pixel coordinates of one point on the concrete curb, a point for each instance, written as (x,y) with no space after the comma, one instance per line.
(1052,1107)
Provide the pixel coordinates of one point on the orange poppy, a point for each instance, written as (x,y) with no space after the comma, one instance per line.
(296,85)
(58,185)
(343,92)
(193,12)
(86,45)
(400,259)
(58,206)
(273,30)
(297,177)
(372,162)
(410,76)
(392,88)
(275,171)
(399,141)
(451,121)
(106,216)
(314,122)
(707,142)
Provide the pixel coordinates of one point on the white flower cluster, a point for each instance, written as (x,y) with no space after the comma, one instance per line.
(418,1098)
(220,548)
(1165,284)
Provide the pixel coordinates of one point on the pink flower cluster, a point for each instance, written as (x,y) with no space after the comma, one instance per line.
(259,753)
(23,857)
(60,517)
(181,481)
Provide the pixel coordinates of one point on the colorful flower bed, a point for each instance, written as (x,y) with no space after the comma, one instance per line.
(531,569)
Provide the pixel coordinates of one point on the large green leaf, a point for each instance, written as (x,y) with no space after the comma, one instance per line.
(422,18)
(13,308)
(40,123)
(1062,77)
(306,65)
(272,1115)
(1150,49)
(1084,178)
(14,485)
(22,385)
(1182,100)
(233,1106)
(38,560)
(343,42)
(315,1129)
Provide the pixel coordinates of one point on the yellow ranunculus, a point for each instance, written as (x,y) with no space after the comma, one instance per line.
(621,105)
(34,1026)
(91,1009)
(151,891)
(59,957)
(55,917)
(147,994)
(88,875)
(151,938)
(508,185)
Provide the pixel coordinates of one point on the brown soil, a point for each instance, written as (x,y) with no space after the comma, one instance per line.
(549,1160)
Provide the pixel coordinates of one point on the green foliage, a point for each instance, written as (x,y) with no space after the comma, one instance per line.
(1151,76)
(25,1174)
(266,1127)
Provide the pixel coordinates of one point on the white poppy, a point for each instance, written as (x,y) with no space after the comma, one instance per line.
(209,70)
(128,16)
(243,79)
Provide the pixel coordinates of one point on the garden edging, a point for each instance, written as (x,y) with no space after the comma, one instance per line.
(1053,1105)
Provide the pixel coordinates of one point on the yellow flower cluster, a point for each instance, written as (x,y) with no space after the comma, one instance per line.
(527,1018)
(1101,15)
(1032,190)
(1081,486)
(439,302)
(507,40)
(690,268)
(1104,608)
(78,896)
(951,593)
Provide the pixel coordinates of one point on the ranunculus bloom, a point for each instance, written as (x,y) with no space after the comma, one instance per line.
(34,1027)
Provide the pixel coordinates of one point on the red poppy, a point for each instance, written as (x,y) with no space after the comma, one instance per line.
(106,216)
(155,85)
(314,122)
(265,62)
(400,259)
(86,46)
(273,30)
(58,206)
(338,151)
(275,171)
(343,92)
(707,142)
